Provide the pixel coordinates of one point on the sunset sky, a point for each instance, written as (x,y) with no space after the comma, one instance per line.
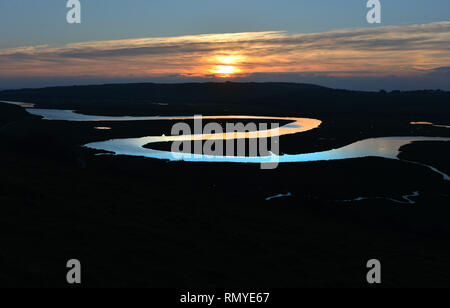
(328,43)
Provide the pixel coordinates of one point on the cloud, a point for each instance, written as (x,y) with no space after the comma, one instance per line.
(400,51)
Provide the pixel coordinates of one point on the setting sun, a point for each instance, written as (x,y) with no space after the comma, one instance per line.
(226,65)
(224,70)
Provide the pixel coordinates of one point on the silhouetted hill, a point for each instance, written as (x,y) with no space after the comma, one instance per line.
(130,218)
(287,97)
(169,93)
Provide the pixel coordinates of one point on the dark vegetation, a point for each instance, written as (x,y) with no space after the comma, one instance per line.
(142,222)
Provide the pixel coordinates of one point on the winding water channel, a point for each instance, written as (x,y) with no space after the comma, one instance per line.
(385,147)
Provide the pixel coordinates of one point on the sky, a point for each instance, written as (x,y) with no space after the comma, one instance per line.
(326,42)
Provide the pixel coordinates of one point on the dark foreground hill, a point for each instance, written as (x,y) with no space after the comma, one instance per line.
(141,222)
(242,97)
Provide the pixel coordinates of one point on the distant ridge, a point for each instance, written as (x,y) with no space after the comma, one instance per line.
(289,97)
(180,93)
(152,86)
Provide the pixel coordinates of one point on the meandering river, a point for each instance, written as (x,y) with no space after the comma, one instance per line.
(386,147)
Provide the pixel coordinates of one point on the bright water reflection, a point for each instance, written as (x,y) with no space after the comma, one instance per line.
(385,147)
